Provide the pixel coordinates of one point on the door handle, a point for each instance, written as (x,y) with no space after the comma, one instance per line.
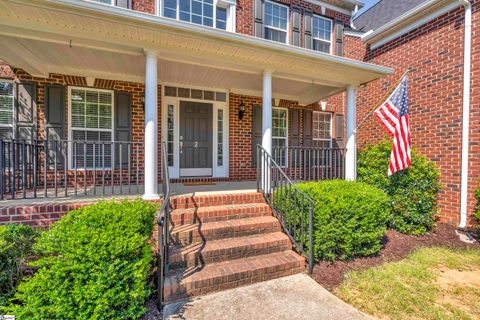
(181,147)
(195,144)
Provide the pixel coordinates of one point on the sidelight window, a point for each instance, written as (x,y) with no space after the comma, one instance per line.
(279,136)
(6,109)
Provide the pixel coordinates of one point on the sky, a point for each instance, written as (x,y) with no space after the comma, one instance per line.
(368,4)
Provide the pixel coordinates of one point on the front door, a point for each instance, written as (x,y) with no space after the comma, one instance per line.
(195,139)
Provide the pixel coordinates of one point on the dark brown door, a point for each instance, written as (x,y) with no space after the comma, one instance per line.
(195,138)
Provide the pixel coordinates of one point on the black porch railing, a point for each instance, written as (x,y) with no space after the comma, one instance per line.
(292,207)
(310,163)
(163,233)
(62,168)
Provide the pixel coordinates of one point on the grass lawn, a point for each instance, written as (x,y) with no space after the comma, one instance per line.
(431,283)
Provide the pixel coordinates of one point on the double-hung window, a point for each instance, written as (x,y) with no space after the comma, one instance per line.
(91,127)
(322,129)
(208,13)
(6,109)
(276,22)
(322,34)
(280,135)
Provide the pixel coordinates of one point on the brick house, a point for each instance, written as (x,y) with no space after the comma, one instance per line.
(428,38)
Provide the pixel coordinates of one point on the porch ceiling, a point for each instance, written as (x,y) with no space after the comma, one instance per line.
(90,39)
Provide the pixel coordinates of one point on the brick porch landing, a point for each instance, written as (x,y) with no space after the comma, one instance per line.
(44,211)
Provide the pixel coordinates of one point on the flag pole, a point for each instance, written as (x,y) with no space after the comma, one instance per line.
(381,101)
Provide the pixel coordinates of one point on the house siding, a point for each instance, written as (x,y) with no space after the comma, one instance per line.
(434,54)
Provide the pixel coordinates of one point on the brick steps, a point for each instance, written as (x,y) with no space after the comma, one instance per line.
(219,213)
(228,249)
(232,273)
(200,232)
(220,242)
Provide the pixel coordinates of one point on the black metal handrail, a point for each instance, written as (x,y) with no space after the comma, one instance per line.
(311,163)
(62,168)
(292,207)
(163,221)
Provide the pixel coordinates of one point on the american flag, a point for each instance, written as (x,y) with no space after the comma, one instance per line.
(393,115)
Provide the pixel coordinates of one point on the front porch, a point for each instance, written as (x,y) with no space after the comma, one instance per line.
(91,108)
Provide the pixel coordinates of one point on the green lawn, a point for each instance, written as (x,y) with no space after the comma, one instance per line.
(431,283)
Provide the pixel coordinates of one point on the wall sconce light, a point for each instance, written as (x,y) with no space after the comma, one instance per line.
(323,105)
(241,110)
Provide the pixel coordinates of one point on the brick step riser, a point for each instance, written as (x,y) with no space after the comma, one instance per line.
(192,237)
(214,200)
(233,281)
(205,217)
(231,254)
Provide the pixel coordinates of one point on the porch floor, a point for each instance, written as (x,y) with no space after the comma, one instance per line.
(132,192)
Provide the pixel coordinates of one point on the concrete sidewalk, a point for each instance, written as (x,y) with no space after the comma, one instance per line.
(296,297)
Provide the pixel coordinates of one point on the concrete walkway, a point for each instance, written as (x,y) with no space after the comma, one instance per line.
(296,297)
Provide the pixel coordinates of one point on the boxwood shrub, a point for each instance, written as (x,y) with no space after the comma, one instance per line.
(16,242)
(413,192)
(93,264)
(349,218)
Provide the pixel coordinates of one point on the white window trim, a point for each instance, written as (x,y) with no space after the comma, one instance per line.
(70,129)
(331,127)
(217,171)
(287,30)
(286,137)
(323,40)
(12,125)
(231,13)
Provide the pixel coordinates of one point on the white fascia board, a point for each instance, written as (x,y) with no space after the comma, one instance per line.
(331,6)
(143,19)
(382,35)
(354,33)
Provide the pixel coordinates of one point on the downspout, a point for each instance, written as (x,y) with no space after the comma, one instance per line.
(466,112)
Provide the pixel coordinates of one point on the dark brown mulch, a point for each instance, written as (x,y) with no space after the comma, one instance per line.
(396,247)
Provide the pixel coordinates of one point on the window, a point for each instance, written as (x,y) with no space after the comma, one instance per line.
(220,138)
(202,12)
(322,128)
(170,133)
(221,18)
(91,120)
(6,109)
(322,34)
(276,21)
(279,136)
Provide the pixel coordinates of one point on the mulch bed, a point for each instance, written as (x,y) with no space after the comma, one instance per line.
(396,247)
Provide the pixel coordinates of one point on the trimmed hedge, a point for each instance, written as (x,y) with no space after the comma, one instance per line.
(413,192)
(16,242)
(94,264)
(350,218)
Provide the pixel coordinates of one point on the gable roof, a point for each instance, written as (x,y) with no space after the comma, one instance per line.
(383,12)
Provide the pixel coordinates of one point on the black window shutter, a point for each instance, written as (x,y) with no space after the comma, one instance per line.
(127,4)
(258,30)
(26,111)
(294,127)
(296,26)
(123,126)
(256,132)
(307,16)
(307,128)
(339,26)
(339,131)
(55,123)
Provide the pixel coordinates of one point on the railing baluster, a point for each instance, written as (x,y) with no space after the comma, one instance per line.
(65,166)
(34,168)
(121,168)
(103,168)
(112,160)
(13,174)
(75,166)
(129,154)
(2,170)
(85,146)
(24,169)
(94,169)
(137,167)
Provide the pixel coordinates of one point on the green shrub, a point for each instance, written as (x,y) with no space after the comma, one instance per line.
(349,218)
(94,264)
(413,192)
(16,241)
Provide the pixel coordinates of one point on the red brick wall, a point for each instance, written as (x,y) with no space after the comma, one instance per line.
(434,54)
(147,6)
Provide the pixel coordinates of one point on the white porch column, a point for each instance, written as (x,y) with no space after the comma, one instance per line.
(267,124)
(151,127)
(351,154)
